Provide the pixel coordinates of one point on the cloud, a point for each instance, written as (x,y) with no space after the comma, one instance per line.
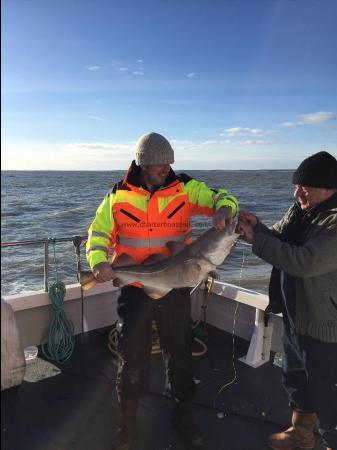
(237,131)
(252,142)
(98,155)
(127,66)
(99,146)
(247,142)
(188,146)
(92,68)
(208,143)
(310,119)
(288,124)
(115,63)
(190,154)
(191,75)
(318,117)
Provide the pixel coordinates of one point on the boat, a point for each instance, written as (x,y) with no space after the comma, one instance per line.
(239,399)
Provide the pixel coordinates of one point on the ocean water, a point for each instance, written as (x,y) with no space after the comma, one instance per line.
(55,204)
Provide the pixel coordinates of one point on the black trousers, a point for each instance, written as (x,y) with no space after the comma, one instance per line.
(310,378)
(172,315)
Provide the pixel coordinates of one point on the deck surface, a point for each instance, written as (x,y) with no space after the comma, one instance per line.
(77,410)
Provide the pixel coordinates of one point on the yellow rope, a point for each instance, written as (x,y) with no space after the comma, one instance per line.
(112,342)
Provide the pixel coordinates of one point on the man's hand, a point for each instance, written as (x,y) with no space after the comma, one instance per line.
(223,217)
(247,217)
(103,272)
(247,230)
(247,222)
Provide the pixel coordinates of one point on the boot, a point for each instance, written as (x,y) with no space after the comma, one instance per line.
(299,435)
(127,428)
(183,423)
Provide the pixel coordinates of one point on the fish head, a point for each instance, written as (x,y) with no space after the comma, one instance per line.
(218,244)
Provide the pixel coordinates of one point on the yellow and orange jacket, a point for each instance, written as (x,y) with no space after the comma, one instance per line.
(132,221)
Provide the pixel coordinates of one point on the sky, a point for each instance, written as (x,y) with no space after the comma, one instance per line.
(232,84)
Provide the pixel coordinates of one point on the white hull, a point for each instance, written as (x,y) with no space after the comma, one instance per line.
(32,312)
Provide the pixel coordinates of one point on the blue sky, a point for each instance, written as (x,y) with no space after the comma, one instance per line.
(233,84)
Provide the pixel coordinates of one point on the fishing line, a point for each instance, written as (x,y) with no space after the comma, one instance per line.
(226,385)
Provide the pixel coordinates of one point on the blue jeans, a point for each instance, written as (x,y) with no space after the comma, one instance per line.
(310,378)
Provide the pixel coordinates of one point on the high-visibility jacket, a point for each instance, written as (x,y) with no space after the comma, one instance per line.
(132,221)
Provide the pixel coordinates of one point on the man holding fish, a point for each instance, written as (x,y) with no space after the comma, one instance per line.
(145,218)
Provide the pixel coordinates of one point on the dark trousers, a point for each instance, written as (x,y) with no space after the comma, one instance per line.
(172,315)
(310,378)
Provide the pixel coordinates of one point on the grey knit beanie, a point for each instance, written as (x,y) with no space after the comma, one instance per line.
(318,170)
(153,148)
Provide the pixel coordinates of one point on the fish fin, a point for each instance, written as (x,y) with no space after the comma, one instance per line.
(192,272)
(87,280)
(123,260)
(155,292)
(193,262)
(155,258)
(196,286)
(175,247)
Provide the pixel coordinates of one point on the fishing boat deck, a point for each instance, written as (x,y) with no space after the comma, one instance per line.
(77,409)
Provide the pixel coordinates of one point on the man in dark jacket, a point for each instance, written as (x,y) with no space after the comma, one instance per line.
(302,247)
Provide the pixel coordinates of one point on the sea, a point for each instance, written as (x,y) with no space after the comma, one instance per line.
(39,205)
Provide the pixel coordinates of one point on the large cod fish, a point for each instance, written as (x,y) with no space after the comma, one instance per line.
(187,267)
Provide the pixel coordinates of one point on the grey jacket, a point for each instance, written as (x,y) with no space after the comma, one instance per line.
(314,266)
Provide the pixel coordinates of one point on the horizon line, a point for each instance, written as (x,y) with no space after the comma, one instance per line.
(124,170)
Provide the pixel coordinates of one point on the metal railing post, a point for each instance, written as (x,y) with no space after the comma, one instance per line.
(45,242)
(46,266)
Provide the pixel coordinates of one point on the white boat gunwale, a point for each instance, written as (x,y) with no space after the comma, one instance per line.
(32,311)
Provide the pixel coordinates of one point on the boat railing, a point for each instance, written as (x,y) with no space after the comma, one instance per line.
(260,341)
(76,240)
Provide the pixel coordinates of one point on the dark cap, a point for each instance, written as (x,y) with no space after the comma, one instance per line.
(319,170)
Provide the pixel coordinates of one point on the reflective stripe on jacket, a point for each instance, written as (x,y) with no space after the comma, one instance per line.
(130,220)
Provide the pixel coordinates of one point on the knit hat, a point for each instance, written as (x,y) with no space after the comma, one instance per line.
(153,148)
(319,170)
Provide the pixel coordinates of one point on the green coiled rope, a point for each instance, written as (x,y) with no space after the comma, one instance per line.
(60,332)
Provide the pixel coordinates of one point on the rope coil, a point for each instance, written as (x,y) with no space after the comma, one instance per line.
(60,332)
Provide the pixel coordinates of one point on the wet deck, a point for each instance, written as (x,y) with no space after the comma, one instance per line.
(77,410)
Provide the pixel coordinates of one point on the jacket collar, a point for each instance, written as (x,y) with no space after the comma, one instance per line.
(330,203)
(133,177)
